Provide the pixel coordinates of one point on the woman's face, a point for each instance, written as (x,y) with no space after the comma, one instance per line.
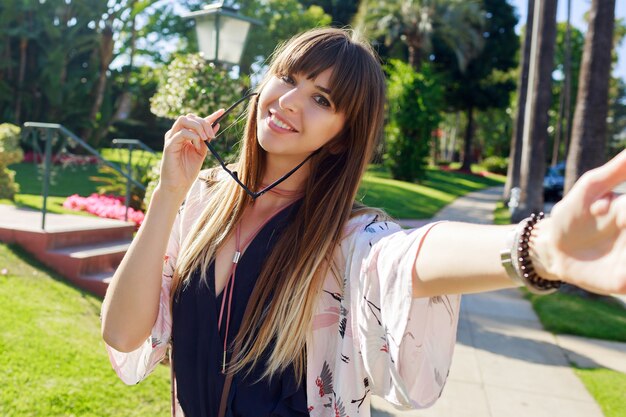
(296,115)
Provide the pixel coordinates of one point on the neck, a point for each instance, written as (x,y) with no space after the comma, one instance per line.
(275,168)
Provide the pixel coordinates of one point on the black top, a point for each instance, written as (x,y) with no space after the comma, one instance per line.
(198,345)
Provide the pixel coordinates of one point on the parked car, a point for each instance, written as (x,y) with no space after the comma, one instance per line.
(554,182)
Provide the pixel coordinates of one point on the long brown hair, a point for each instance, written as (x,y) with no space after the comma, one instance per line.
(293,274)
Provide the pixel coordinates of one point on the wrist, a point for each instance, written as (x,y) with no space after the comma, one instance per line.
(169,196)
(530,262)
(164,199)
(542,251)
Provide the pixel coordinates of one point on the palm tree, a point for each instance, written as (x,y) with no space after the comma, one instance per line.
(588,144)
(537,106)
(565,103)
(458,23)
(515,156)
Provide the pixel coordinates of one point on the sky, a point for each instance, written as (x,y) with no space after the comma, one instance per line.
(579,8)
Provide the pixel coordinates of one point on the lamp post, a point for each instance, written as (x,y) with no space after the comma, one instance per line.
(222,32)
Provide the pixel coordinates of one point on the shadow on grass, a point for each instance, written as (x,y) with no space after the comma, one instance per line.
(93,300)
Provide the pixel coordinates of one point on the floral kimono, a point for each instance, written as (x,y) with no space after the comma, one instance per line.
(368,336)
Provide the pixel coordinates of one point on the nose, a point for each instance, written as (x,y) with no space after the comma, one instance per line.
(290,100)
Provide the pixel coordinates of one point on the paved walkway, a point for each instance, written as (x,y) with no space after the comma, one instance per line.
(505,364)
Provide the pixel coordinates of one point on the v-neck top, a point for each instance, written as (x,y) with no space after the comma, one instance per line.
(198,344)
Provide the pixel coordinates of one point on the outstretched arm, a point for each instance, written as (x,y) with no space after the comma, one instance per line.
(582,243)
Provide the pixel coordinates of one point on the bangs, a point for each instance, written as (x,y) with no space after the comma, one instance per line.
(317,52)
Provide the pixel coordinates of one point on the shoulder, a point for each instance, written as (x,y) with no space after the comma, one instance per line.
(368,221)
(198,197)
(202,188)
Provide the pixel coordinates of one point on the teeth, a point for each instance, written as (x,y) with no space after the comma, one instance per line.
(279,123)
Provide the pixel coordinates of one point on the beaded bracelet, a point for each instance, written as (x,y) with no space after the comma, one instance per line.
(519,267)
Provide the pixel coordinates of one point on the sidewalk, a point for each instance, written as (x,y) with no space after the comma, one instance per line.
(505,364)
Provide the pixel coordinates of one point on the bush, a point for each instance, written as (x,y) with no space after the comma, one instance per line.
(415,102)
(190,84)
(114,183)
(10,153)
(496,164)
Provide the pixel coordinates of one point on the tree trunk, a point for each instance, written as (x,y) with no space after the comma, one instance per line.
(124,103)
(20,80)
(533,160)
(106,56)
(469,134)
(564,97)
(515,155)
(414,44)
(588,147)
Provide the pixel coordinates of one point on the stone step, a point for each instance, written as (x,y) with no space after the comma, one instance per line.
(96,283)
(23,226)
(93,250)
(75,261)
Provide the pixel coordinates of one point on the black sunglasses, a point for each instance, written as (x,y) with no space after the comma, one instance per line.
(233,174)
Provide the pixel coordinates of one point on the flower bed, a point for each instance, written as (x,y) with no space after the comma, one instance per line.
(62,159)
(106,206)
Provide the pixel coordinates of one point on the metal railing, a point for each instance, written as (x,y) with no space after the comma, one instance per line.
(52,132)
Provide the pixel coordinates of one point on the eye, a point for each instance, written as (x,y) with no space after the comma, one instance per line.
(322,101)
(287,79)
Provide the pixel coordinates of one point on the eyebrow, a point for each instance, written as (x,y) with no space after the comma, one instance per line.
(323,89)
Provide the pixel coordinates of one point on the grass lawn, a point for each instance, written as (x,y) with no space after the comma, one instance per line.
(404,200)
(501,215)
(400,199)
(52,358)
(572,314)
(608,388)
(120,156)
(65,182)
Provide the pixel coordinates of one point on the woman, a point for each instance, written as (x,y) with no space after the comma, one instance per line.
(301,301)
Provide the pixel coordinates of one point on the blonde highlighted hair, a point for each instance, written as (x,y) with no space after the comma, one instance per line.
(293,274)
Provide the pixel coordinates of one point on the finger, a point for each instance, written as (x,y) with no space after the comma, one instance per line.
(611,174)
(190,122)
(601,206)
(206,127)
(214,116)
(184,136)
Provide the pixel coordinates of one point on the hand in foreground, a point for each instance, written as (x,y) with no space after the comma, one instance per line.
(184,151)
(585,237)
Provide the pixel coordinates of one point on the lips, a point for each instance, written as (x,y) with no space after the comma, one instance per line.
(275,121)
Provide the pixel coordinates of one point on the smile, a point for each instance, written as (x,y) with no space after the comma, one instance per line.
(277,124)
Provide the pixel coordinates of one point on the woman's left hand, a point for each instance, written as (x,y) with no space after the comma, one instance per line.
(584,241)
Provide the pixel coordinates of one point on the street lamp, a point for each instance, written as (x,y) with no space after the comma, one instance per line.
(222,32)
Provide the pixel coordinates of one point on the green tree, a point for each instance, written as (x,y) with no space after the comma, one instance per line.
(457,23)
(341,11)
(190,84)
(487,81)
(617,117)
(563,101)
(49,45)
(415,104)
(281,19)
